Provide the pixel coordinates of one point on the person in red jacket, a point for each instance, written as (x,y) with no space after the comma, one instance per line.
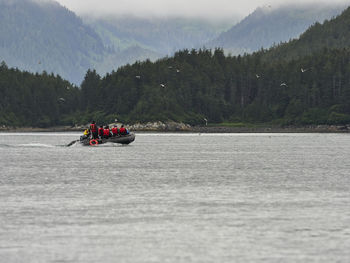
(115,131)
(122,130)
(106,132)
(93,129)
(100,132)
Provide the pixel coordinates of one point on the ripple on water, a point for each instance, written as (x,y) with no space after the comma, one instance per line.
(175,198)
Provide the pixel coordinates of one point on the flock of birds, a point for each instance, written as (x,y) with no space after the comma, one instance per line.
(283,84)
(162,85)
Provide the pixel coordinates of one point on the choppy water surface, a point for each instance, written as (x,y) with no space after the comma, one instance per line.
(176,198)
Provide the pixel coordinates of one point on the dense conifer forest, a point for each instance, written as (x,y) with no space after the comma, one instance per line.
(269,86)
(38,100)
(194,85)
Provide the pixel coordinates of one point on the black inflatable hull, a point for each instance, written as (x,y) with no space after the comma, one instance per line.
(122,139)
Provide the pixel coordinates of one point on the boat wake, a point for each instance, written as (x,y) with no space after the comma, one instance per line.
(42,145)
(34,145)
(110,144)
(27,145)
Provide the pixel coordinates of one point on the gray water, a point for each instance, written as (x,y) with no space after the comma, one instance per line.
(176,198)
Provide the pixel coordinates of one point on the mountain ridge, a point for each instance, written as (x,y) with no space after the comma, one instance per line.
(268,26)
(332,34)
(45,36)
(197,85)
(48,38)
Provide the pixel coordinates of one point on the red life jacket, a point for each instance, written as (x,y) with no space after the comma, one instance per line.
(122,130)
(93,127)
(100,131)
(106,132)
(115,130)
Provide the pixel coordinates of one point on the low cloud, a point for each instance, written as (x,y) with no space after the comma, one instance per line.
(185,8)
(162,8)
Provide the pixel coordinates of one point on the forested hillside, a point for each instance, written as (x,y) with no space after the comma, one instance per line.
(333,34)
(35,100)
(271,25)
(188,87)
(194,85)
(313,89)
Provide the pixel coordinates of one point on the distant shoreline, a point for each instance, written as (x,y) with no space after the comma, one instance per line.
(306,129)
(199,129)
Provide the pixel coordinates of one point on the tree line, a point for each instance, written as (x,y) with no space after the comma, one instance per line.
(191,86)
(38,100)
(203,84)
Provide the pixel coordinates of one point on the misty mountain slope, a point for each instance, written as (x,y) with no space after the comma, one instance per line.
(124,49)
(332,34)
(44,36)
(270,25)
(160,35)
(39,36)
(126,56)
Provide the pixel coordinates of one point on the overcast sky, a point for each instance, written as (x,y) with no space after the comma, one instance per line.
(192,8)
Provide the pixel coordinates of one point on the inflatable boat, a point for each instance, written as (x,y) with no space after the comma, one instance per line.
(122,139)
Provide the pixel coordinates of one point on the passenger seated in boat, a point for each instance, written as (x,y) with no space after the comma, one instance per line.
(115,131)
(123,130)
(100,132)
(106,132)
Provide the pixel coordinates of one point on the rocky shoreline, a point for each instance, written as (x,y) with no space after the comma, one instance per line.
(273,129)
(182,127)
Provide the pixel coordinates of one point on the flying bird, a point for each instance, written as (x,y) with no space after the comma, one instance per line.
(62,99)
(177,70)
(206,121)
(162,85)
(138,77)
(257,76)
(303,70)
(284,84)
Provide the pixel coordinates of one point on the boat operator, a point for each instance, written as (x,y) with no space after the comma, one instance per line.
(85,135)
(93,129)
